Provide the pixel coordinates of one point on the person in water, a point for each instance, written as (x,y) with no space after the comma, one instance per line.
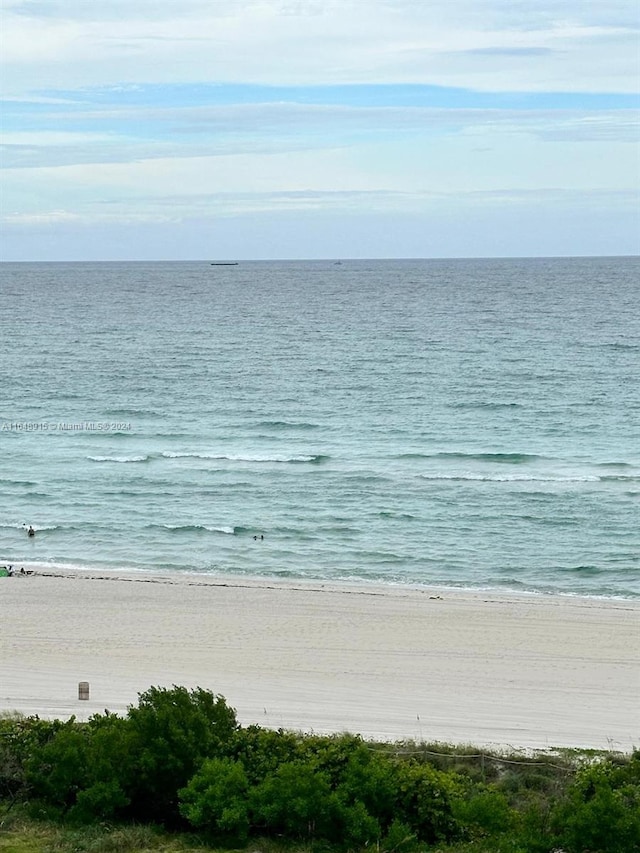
(31,531)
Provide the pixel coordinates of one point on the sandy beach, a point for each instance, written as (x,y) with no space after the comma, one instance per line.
(526,671)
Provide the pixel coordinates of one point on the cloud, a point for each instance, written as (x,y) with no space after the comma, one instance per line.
(148,114)
(54,218)
(516,52)
(182,208)
(161,133)
(465,43)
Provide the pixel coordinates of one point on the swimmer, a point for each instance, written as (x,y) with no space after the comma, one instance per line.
(31,532)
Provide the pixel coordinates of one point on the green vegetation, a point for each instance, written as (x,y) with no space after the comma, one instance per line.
(178,773)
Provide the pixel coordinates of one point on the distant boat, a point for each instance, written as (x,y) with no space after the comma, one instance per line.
(225,264)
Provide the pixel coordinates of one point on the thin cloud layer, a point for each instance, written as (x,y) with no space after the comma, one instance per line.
(144,115)
(481,44)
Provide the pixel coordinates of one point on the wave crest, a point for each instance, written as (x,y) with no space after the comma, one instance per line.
(195,528)
(277,425)
(502,458)
(511,478)
(239,457)
(121,459)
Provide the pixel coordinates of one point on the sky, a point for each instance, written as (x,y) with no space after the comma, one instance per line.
(260,129)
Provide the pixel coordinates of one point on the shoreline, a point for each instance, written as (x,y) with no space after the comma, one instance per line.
(487,667)
(371,587)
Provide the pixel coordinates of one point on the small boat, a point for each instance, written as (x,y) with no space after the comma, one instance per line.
(225,264)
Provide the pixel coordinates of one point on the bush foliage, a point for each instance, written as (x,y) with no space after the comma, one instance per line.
(180,759)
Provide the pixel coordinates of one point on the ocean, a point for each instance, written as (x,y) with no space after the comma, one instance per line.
(450,423)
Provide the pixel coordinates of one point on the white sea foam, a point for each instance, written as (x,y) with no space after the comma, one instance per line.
(118,458)
(512,478)
(238,457)
(194,527)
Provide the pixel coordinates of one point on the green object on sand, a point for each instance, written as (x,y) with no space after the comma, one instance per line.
(4,573)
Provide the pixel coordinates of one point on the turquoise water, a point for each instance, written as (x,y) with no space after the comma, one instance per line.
(468,423)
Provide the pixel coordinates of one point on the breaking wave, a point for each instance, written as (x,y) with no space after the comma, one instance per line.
(232,457)
(121,459)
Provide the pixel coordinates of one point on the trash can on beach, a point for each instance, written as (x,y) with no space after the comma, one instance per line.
(83,690)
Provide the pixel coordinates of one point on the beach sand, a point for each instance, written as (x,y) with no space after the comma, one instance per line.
(526,671)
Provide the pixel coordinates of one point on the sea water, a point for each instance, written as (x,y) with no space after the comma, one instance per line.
(466,423)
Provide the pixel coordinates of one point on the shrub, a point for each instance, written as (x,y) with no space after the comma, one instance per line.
(111,769)
(58,769)
(483,812)
(19,738)
(295,801)
(216,799)
(398,838)
(532,823)
(262,751)
(365,785)
(354,826)
(423,802)
(602,809)
(173,731)
(85,769)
